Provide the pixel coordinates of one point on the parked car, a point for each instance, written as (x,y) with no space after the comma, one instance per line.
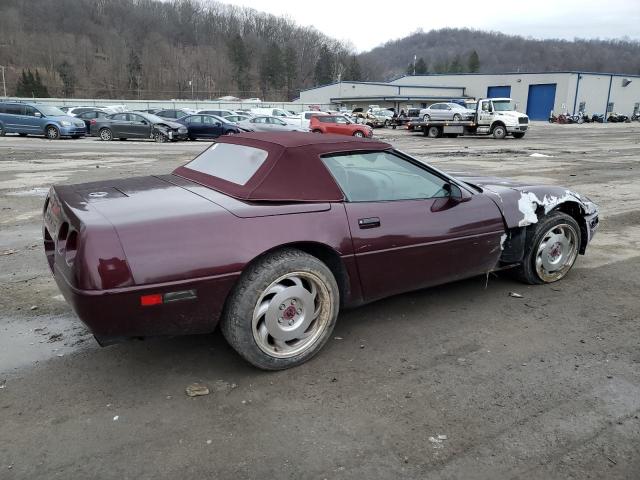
(91,116)
(208,126)
(266,123)
(237,118)
(217,112)
(384,114)
(150,110)
(270,235)
(38,119)
(172,114)
(446,111)
(273,112)
(75,111)
(367,118)
(138,125)
(340,125)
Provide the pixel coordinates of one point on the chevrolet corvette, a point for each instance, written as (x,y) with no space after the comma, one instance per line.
(271,234)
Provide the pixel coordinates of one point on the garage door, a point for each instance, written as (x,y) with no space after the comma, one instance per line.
(540,100)
(503,91)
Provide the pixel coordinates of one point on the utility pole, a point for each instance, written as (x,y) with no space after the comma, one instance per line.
(415,57)
(4,83)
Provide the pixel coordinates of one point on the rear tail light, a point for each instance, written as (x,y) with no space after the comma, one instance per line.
(169,297)
(149,300)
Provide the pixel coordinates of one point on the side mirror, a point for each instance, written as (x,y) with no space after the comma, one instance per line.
(218,124)
(144,122)
(37,114)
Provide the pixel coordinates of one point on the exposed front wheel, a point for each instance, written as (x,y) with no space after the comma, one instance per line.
(160,137)
(457,117)
(499,132)
(552,249)
(282,310)
(52,132)
(358,134)
(106,134)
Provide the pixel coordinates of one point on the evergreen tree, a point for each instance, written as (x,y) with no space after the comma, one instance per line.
(134,70)
(65,70)
(421,67)
(353,72)
(324,67)
(239,57)
(410,69)
(39,89)
(271,69)
(290,69)
(474,62)
(456,65)
(31,86)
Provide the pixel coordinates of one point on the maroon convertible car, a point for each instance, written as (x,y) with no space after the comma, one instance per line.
(271,234)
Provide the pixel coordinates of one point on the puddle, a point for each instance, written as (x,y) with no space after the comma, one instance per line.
(24,342)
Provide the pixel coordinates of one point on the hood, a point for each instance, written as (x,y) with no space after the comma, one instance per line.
(171,124)
(521,204)
(510,114)
(67,118)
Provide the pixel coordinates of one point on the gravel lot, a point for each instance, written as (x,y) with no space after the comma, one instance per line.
(455,382)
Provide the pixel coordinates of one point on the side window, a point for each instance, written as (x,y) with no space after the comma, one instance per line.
(30,111)
(341,120)
(15,109)
(382,176)
(136,118)
(196,119)
(485,106)
(325,119)
(207,120)
(120,117)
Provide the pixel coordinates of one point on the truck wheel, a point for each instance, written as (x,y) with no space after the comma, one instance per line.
(518,135)
(433,132)
(426,118)
(282,311)
(52,132)
(499,132)
(551,251)
(457,117)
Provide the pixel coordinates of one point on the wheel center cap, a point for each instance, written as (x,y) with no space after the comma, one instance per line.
(289,312)
(555,251)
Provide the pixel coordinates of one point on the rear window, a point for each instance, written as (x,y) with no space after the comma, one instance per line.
(233,163)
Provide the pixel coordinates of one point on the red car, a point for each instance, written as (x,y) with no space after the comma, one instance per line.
(271,234)
(340,125)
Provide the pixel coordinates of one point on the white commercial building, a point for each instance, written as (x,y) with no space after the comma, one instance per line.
(537,94)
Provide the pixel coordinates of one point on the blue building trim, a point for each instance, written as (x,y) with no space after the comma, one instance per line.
(606,74)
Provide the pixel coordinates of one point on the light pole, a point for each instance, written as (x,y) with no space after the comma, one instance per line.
(4,83)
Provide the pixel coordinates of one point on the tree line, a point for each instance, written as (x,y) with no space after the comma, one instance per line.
(156,49)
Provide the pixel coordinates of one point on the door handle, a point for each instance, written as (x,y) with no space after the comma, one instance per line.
(369,222)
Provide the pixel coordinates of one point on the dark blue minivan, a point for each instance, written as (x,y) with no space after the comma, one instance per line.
(39,119)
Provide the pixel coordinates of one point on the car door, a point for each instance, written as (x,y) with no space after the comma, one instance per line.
(412,227)
(119,125)
(486,113)
(139,127)
(260,124)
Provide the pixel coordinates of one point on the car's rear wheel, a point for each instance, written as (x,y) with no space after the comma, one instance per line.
(106,134)
(282,310)
(552,249)
(457,117)
(499,132)
(316,130)
(23,134)
(52,132)
(358,134)
(426,118)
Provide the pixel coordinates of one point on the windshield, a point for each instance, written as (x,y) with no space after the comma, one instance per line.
(51,111)
(503,105)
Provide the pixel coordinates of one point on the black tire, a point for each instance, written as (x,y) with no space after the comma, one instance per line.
(105,134)
(426,118)
(518,135)
(315,130)
(499,132)
(457,117)
(160,137)
(23,134)
(237,323)
(433,132)
(527,272)
(52,132)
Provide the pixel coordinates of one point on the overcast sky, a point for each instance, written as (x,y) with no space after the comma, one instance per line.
(367,24)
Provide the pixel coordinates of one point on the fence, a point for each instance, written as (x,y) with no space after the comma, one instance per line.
(175,104)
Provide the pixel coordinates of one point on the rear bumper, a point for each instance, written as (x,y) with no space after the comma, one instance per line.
(118,313)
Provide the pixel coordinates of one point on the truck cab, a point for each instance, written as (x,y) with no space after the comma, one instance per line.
(498,116)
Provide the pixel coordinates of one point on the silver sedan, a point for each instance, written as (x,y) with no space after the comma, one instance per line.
(446,111)
(266,123)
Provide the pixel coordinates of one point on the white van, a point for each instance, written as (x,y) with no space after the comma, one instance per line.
(274,112)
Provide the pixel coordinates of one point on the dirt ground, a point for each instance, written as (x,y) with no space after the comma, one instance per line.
(461,381)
